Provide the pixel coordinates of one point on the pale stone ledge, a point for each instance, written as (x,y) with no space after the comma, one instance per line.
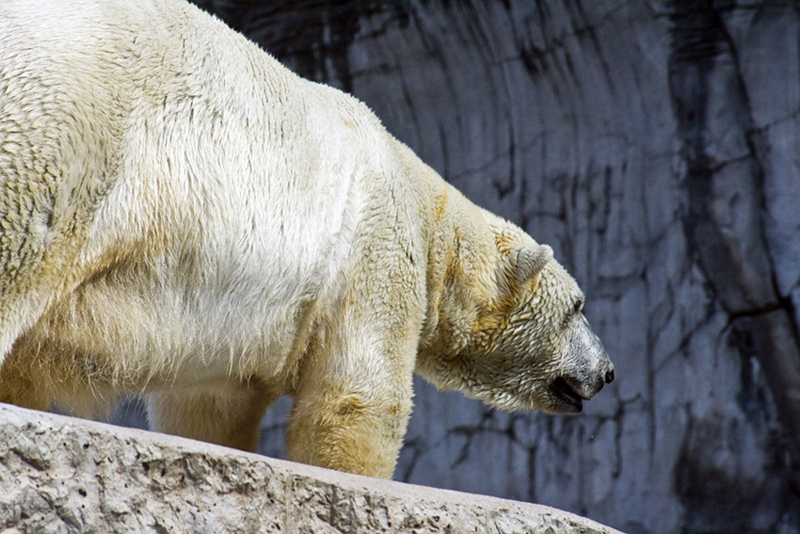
(60,474)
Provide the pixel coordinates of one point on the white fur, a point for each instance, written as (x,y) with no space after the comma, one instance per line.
(182,216)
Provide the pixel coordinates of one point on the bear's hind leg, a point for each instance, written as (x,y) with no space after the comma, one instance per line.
(230,417)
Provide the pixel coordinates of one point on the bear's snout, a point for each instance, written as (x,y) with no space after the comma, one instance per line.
(567,391)
(610,375)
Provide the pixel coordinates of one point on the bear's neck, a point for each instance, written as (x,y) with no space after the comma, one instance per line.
(458,241)
(460,249)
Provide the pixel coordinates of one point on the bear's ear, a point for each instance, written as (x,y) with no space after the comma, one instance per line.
(531,260)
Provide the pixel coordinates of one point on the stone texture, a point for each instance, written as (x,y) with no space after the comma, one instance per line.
(59,474)
(654,145)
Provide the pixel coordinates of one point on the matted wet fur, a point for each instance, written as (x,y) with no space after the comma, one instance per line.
(183,217)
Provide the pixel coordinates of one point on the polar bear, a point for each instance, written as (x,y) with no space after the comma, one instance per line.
(184,218)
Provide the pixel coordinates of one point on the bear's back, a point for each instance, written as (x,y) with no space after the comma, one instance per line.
(184,175)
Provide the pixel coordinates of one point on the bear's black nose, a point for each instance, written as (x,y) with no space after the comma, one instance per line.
(610,376)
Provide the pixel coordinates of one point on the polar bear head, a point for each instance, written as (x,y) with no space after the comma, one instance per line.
(514,335)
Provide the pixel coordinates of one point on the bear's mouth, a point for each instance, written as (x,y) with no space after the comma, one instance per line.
(565,390)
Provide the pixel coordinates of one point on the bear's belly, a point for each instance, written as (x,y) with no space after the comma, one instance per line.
(132,332)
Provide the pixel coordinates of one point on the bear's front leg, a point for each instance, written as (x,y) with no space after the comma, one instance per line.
(352,407)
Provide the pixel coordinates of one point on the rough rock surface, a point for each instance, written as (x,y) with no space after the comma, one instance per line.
(654,145)
(59,474)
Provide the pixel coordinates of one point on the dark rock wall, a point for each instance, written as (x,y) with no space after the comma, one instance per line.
(653,144)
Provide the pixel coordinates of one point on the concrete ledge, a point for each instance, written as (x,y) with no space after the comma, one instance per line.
(61,474)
